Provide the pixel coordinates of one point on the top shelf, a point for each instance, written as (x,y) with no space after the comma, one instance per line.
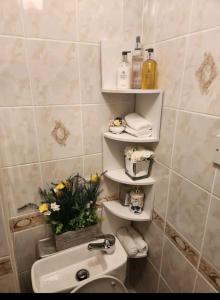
(130,91)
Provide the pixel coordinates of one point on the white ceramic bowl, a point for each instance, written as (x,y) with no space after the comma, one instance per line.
(116,130)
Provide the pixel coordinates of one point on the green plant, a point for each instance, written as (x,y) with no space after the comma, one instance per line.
(71,204)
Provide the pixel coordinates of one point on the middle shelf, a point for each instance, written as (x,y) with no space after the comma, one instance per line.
(125,137)
(120,176)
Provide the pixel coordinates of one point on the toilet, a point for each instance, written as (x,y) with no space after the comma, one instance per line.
(102,284)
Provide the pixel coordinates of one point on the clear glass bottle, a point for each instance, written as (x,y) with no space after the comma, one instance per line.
(124,72)
(137,63)
(149,72)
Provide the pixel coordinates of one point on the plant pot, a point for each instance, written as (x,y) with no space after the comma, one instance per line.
(116,130)
(74,238)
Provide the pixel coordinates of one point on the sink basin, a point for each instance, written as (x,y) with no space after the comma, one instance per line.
(57,273)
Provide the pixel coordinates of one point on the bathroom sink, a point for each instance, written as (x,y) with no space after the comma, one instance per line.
(57,273)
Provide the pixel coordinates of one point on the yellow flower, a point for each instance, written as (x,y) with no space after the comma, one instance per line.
(117,123)
(95,178)
(43,208)
(60,187)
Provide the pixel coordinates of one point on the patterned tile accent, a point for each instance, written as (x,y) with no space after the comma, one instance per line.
(26,222)
(158,220)
(60,133)
(187,250)
(5,266)
(210,273)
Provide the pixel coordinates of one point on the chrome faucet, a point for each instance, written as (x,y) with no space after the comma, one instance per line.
(108,245)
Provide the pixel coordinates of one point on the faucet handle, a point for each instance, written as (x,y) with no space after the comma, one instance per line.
(109,237)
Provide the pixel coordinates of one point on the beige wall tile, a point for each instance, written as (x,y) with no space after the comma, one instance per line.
(177,272)
(187,209)
(201,87)
(20,186)
(132,19)
(169,55)
(26,256)
(163,288)
(211,248)
(54,72)
(14,82)
(60,170)
(25,282)
(50,19)
(65,122)
(92,165)
(206,14)
(7,284)
(164,149)
(192,158)
(161,175)
(173,18)
(202,286)
(10,17)
(4,249)
(105,20)
(149,20)
(217,183)
(19,135)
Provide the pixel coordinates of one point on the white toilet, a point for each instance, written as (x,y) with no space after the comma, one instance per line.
(103,284)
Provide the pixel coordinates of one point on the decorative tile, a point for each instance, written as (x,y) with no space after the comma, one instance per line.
(18,132)
(187,250)
(190,157)
(54,72)
(210,273)
(149,21)
(50,19)
(105,20)
(132,19)
(26,222)
(178,273)
(169,55)
(10,17)
(206,14)
(71,119)
(172,12)
(187,209)
(5,266)
(211,247)
(19,187)
(158,220)
(7,284)
(14,82)
(59,170)
(4,249)
(60,133)
(202,286)
(201,85)
(163,150)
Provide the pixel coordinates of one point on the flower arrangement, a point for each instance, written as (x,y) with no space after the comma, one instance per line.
(71,204)
(137,154)
(117,122)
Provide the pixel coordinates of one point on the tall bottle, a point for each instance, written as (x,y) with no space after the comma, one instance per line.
(149,72)
(137,63)
(124,72)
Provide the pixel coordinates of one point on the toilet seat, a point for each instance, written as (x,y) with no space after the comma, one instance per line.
(102,284)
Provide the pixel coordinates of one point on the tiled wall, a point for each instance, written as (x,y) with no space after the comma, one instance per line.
(52,111)
(184,236)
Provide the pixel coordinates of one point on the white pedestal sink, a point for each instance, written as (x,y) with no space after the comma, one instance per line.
(57,273)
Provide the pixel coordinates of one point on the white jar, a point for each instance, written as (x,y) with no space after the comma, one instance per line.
(137,201)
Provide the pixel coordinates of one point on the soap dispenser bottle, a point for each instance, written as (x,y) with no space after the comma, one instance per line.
(149,71)
(137,63)
(124,72)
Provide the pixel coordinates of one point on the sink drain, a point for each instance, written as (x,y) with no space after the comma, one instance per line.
(82,275)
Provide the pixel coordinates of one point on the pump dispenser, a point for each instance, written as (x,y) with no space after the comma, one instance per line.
(124,72)
(149,71)
(137,62)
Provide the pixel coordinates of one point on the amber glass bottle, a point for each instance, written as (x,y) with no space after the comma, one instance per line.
(149,72)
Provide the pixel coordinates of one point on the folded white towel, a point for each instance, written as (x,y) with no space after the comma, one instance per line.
(139,133)
(127,242)
(139,241)
(137,122)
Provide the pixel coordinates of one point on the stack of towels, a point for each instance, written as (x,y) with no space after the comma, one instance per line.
(132,242)
(138,126)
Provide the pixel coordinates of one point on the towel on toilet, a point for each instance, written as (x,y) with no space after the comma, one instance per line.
(127,242)
(139,241)
(139,133)
(137,122)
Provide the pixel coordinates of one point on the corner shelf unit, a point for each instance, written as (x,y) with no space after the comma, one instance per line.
(148,104)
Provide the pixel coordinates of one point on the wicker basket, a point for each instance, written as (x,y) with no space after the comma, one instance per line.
(74,238)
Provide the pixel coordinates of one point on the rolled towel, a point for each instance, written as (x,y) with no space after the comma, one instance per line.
(139,241)
(137,122)
(127,242)
(139,133)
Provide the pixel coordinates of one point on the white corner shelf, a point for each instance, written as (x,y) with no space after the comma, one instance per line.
(123,212)
(125,137)
(120,177)
(131,91)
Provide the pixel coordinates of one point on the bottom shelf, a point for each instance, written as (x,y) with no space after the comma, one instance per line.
(123,212)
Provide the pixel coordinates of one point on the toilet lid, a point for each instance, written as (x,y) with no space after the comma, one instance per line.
(104,284)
